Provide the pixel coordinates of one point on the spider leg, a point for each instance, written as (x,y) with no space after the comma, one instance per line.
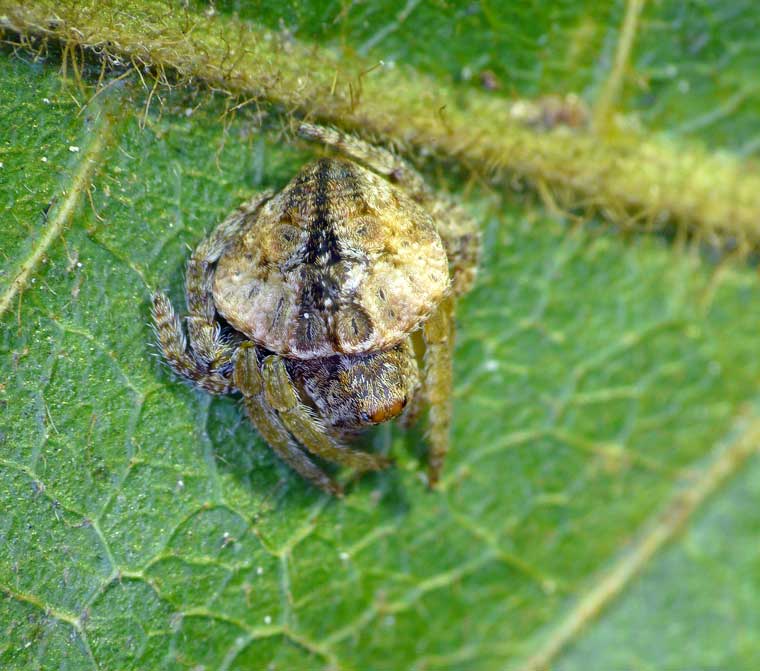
(247,377)
(206,340)
(416,403)
(305,426)
(207,362)
(437,376)
(376,158)
(461,238)
(183,361)
(458,230)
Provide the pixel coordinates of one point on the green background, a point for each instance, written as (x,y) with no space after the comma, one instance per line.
(144,525)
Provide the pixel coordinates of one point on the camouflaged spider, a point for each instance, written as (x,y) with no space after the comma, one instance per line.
(311,303)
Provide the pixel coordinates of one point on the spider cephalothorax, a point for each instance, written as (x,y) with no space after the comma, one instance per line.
(306,302)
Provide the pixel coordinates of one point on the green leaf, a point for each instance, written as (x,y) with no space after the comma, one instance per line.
(606,385)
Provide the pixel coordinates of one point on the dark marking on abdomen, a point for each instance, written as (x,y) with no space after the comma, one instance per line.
(322,247)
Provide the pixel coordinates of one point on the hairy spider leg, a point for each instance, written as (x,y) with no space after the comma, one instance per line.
(264,417)
(416,404)
(437,384)
(203,329)
(376,158)
(171,339)
(305,426)
(461,239)
(207,361)
(458,230)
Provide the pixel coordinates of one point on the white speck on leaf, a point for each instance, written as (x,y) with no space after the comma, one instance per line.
(73,148)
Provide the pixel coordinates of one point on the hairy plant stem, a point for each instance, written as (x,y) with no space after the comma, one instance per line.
(627,176)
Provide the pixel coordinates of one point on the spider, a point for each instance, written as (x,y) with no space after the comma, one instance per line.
(315,303)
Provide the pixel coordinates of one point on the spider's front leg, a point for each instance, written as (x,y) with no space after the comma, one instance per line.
(248,380)
(305,426)
(207,362)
